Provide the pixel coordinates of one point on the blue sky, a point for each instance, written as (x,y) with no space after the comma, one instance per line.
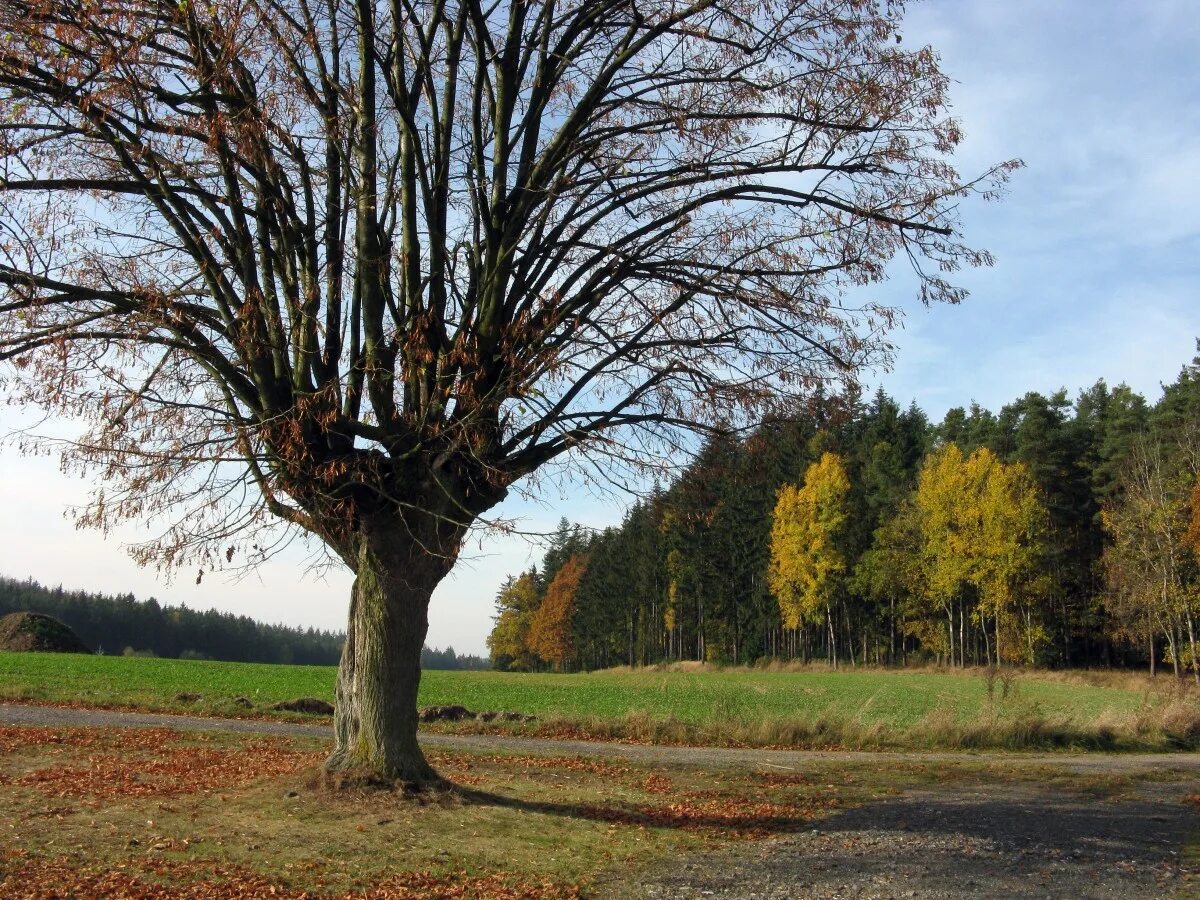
(1097,250)
(1097,241)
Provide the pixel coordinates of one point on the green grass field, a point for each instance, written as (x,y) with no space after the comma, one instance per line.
(805,708)
(697,698)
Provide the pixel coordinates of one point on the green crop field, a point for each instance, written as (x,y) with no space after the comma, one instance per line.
(898,698)
(154,683)
(814,708)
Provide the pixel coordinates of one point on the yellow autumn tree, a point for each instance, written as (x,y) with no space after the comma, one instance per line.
(1007,571)
(1192,538)
(516,604)
(808,565)
(982,528)
(944,541)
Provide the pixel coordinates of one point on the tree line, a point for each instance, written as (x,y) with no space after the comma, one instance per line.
(120,623)
(1056,532)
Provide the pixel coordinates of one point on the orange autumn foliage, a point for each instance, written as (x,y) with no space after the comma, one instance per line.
(550,630)
(1192,539)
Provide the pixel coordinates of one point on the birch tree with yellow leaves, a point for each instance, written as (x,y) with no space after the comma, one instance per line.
(982,527)
(808,565)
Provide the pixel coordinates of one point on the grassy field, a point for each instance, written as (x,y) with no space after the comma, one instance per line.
(806,708)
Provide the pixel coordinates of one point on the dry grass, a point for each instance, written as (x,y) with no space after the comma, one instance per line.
(1114,679)
(1007,723)
(515,826)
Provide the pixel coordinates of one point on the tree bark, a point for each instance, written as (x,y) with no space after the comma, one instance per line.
(950,633)
(375,722)
(832,639)
(1192,648)
(987,642)
(999,658)
(1173,646)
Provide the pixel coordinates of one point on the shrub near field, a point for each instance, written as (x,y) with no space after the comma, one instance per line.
(808,708)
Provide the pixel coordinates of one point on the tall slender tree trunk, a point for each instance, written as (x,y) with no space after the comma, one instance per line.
(962,635)
(375,722)
(631,617)
(1029,636)
(999,658)
(849,635)
(832,640)
(1066,620)
(950,633)
(892,631)
(1192,647)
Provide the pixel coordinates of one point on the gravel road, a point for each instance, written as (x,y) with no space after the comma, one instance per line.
(711,757)
(994,840)
(990,837)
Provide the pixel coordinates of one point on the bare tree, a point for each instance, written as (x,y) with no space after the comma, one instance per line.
(362,266)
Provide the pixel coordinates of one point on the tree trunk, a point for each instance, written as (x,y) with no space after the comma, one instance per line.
(950,633)
(1192,649)
(832,640)
(892,631)
(375,723)
(1173,647)
(962,635)
(999,659)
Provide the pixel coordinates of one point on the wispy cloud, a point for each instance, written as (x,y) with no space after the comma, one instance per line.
(1097,245)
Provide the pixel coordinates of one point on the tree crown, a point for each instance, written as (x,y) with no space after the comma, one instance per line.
(336,261)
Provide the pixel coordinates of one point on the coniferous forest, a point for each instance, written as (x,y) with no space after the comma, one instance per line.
(1058,531)
(122,624)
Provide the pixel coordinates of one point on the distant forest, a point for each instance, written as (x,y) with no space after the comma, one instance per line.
(1057,532)
(121,624)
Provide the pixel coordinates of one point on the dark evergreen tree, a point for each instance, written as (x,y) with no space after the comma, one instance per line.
(684,575)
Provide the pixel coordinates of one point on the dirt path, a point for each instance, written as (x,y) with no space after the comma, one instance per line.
(1004,824)
(712,757)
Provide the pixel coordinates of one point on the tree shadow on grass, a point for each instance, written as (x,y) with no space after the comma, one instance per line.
(739,817)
